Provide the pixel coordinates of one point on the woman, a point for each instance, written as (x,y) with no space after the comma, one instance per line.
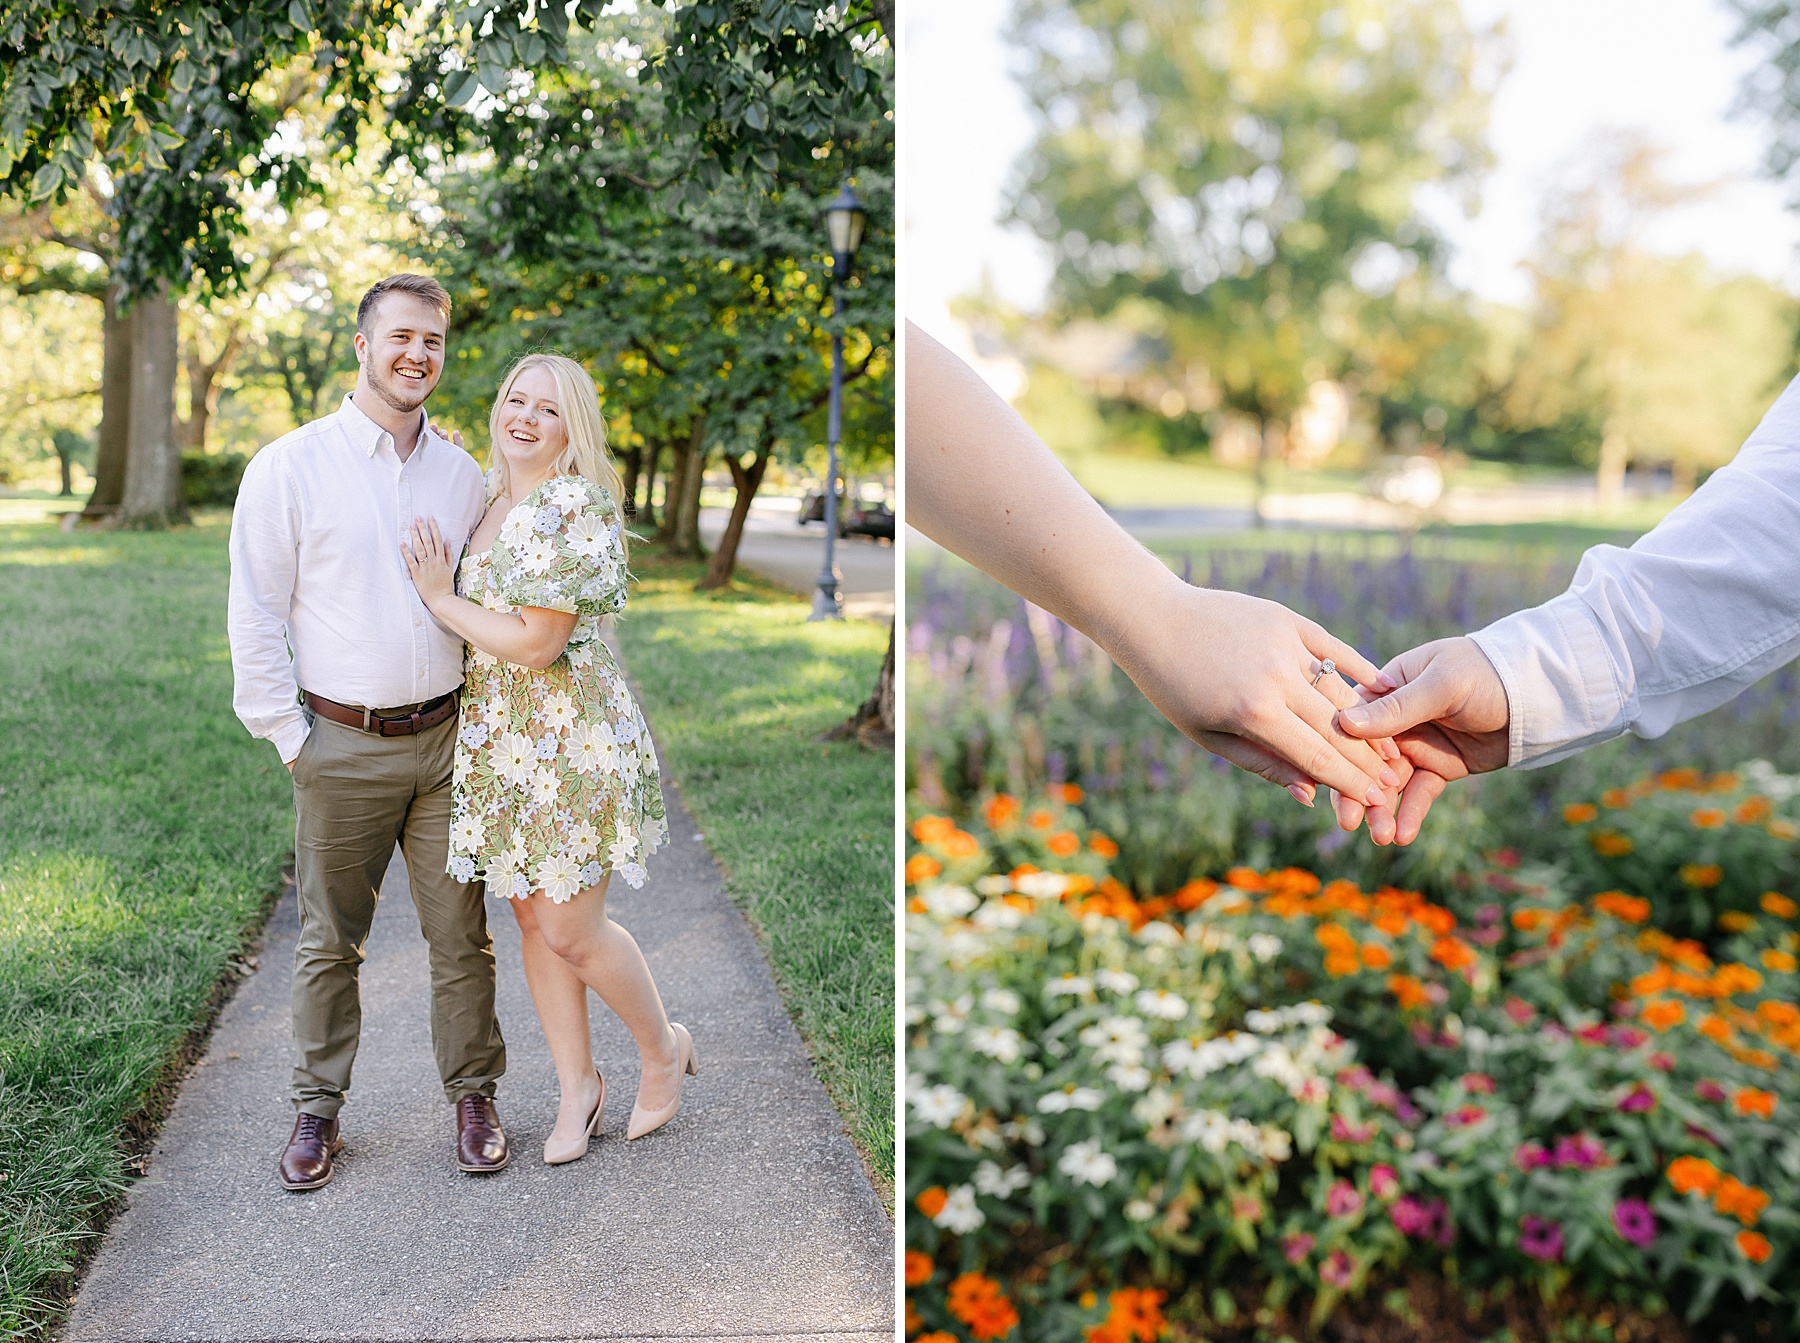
(556,779)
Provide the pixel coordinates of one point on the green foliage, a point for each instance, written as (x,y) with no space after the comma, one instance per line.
(211,477)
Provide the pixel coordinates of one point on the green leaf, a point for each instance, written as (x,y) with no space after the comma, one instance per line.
(459,87)
(300,15)
(493,76)
(757,117)
(531,48)
(46,180)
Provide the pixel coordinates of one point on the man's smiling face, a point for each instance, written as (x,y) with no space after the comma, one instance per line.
(402,351)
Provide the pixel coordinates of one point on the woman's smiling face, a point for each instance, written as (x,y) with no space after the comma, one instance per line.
(532,434)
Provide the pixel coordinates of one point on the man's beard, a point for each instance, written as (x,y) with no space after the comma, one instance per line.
(403,396)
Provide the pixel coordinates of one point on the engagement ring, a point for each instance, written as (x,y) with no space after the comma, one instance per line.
(1325,669)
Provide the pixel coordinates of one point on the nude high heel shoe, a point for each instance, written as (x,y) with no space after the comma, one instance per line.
(558,1153)
(645,1121)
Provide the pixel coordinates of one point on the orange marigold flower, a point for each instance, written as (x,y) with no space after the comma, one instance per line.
(1702,875)
(1736,978)
(1725,782)
(1409,990)
(1778,1013)
(1750,1101)
(1610,844)
(1580,813)
(1629,908)
(1686,951)
(1615,798)
(922,867)
(918,1268)
(1652,981)
(1376,956)
(1003,808)
(1707,818)
(1069,793)
(1756,1058)
(933,829)
(1675,780)
(978,1302)
(1742,1201)
(1340,963)
(960,844)
(1774,902)
(1392,922)
(1134,1315)
(1752,810)
(1195,894)
(937,1336)
(1335,937)
(1434,918)
(1783,829)
(1714,1028)
(1753,1245)
(1244,878)
(1063,844)
(1103,845)
(914,1320)
(931,1201)
(1040,820)
(1736,921)
(1528,920)
(1452,953)
(1691,1173)
(1662,1013)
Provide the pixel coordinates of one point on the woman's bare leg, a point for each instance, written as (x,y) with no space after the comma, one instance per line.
(561,1001)
(607,959)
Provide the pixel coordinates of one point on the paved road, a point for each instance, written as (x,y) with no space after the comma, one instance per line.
(785,553)
(748,1216)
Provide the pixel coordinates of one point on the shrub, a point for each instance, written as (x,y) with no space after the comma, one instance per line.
(211,477)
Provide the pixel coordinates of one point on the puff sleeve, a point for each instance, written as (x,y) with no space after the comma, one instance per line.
(561,549)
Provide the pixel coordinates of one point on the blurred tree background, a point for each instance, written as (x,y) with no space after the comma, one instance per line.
(639,186)
(1239,199)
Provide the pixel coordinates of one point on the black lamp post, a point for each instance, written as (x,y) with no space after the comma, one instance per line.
(844,227)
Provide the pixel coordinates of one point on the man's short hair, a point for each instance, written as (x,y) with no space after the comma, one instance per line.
(419,286)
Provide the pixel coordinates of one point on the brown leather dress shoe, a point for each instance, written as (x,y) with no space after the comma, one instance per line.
(480,1143)
(306,1164)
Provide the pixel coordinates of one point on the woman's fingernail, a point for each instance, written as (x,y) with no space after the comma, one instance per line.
(1391,779)
(1356,717)
(1301,793)
(1386,682)
(1375,798)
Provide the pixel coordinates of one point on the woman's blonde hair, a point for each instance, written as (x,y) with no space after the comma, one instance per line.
(585,453)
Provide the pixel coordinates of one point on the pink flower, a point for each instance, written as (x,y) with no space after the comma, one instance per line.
(1296,1245)
(1708,1090)
(1313,1091)
(1540,1238)
(1639,1100)
(1384,1182)
(1247,1206)
(1521,1012)
(1528,1156)
(1464,1116)
(1662,1061)
(1424,1220)
(1355,1078)
(1582,1151)
(1635,1222)
(1342,1130)
(1343,1200)
(1628,1037)
(1594,1035)
(1337,1270)
(1480,1082)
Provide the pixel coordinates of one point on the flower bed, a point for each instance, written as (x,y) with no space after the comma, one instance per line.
(1264,1102)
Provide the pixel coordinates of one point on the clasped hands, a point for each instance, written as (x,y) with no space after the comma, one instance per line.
(1241,676)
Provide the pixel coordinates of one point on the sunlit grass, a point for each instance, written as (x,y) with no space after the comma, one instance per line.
(736,685)
(141,832)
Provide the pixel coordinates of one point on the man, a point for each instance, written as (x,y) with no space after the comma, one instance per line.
(338,664)
(1701,608)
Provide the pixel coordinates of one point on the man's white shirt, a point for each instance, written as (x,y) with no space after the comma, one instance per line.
(1696,611)
(320,596)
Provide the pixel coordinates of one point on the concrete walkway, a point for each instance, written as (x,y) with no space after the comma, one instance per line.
(777,546)
(749,1216)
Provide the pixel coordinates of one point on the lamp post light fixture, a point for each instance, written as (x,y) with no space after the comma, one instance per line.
(844,219)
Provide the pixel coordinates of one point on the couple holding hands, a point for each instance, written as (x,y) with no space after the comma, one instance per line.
(1696,611)
(422,645)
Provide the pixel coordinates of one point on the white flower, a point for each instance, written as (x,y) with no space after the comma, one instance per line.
(587,536)
(948,902)
(494,711)
(1158,1107)
(536,555)
(1276,1144)
(558,711)
(591,747)
(1085,1163)
(940,1105)
(467,835)
(1161,1003)
(1211,1129)
(516,530)
(1072,1098)
(1042,885)
(1116,981)
(515,758)
(997,914)
(559,877)
(1128,1076)
(567,494)
(545,785)
(959,1213)
(1264,946)
(583,840)
(997,1183)
(1211,939)
(993,885)
(997,1042)
(1140,1210)
(1003,1001)
(1117,1040)
(1072,985)
(1157,933)
(623,850)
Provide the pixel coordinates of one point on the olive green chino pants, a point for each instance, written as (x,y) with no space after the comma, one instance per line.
(355,796)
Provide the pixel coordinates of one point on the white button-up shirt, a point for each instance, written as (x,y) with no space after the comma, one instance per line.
(320,596)
(1698,610)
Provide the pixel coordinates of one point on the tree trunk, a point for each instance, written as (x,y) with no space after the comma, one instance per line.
(1609,479)
(628,482)
(647,510)
(674,482)
(204,380)
(873,723)
(724,559)
(64,461)
(115,410)
(687,520)
(1260,481)
(153,462)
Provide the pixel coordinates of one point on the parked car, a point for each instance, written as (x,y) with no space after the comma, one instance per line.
(875,520)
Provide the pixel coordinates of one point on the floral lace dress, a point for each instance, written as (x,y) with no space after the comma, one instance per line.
(556,778)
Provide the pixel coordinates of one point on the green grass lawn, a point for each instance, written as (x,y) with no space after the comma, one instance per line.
(141,837)
(735,686)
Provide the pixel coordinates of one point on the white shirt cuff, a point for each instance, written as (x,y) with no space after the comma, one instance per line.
(289,738)
(1563,693)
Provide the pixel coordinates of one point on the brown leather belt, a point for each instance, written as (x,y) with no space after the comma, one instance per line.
(384,724)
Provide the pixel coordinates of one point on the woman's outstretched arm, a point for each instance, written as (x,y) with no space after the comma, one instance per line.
(531,637)
(1233,672)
